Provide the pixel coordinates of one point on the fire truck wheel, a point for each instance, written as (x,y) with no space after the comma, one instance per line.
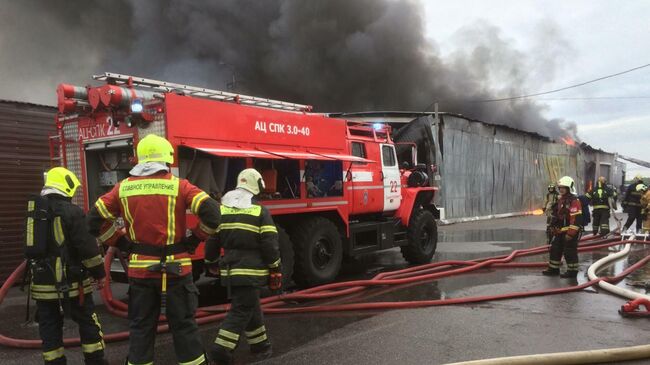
(286,256)
(422,236)
(318,251)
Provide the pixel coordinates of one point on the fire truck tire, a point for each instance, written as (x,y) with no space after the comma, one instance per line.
(422,236)
(286,256)
(318,251)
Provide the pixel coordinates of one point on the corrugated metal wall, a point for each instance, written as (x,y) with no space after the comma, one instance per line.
(24,155)
(489,170)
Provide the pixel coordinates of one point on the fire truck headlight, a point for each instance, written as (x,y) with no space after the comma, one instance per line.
(136,106)
(378,126)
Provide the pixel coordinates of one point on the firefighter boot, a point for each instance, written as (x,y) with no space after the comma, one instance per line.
(221,357)
(262,351)
(569,274)
(551,271)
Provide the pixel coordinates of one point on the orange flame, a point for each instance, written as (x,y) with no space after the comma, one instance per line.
(568,141)
(538,212)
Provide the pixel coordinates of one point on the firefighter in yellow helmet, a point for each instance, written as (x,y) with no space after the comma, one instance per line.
(602,198)
(645,209)
(251,259)
(153,203)
(65,261)
(632,203)
(566,224)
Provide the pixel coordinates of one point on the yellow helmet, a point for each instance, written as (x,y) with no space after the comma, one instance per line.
(251,180)
(567,182)
(638,177)
(62,179)
(153,148)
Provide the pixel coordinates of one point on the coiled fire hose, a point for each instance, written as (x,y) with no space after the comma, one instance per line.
(408,276)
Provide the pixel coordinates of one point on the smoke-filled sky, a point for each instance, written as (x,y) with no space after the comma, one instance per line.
(348,55)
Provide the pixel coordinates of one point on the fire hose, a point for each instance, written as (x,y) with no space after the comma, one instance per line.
(412,275)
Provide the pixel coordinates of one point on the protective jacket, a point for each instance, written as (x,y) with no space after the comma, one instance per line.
(567,216)
(72,255)
(645,211)
(599,196)
(633,197)
(154,208)
(249,240)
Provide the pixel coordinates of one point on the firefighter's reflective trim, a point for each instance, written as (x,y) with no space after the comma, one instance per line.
(576,213)
(601,207)
(554,264)
(275,264)
(196,202)
(129,218)
(258,339)
(254,210)
(573,266)
(606,226)
(139,363)
(58,270)
(50,292)
(59,237)
(143,264)
(567,228)
(255,332)
(198,361)
(171,219)
(107,235)
(29,238)
(210,261)
(268,229)
(92,347)
(225,343)
(207,229)
(242,226)
(246,272)
(53,354)
(93,261)
(99,326)
(141,187)
(228,334)
(103,211)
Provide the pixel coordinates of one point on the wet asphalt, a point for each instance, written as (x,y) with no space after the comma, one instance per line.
(435,335)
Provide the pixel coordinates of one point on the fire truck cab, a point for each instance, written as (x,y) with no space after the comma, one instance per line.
(335,188)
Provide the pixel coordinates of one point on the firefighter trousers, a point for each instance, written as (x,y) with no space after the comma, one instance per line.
(633,213)
(244,316)
(600,222)
(568,249)
(50,328)
(144,310)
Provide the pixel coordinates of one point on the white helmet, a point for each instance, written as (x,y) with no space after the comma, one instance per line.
(251,180)
(567,182)
(641,187)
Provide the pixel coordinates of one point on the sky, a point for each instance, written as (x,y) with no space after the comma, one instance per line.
(528,47)
(598,38)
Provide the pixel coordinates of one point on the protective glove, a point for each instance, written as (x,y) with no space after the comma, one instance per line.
(275,278)
(124,244)
(191,242)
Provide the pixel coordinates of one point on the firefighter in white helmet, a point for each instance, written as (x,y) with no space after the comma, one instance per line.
(565,226)
(632,203)
(244,252)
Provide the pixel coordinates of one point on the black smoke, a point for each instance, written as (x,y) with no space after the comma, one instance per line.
(338,55)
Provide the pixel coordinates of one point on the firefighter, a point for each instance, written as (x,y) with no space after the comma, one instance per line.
(551,199)
(65,262)
(600,197)
(632,204)
(251,259)
(152,203)
(565,226)
(645,209)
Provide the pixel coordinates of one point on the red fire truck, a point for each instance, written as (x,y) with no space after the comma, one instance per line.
(335,188)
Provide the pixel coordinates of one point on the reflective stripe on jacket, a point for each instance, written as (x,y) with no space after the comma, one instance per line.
(567,215)
(83,259)
(600,195)
(153,208)
(249,239)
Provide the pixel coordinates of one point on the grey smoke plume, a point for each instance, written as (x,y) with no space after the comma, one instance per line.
(338,55)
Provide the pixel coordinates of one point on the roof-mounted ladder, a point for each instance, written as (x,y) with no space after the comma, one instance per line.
(164,86)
